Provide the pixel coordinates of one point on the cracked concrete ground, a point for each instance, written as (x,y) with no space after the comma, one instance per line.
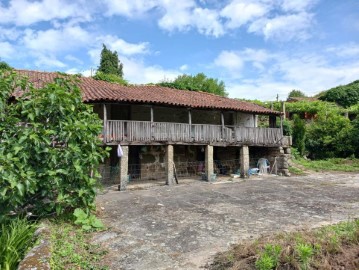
(183,226)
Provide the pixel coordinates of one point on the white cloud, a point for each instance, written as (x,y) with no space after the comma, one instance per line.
(281,72)
(183,15)
(234,61)
(183,67)
(6,50)
(297,5)
(284,27)
(24,12)
(229,60)
(346,50)
(56,40)
(48,61)
(74,59)
(240,12)
(131,9)
(123,47)
(137,72)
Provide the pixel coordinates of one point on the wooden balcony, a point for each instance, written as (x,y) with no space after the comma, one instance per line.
(146,132)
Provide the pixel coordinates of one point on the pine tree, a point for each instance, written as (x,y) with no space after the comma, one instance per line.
(109,63)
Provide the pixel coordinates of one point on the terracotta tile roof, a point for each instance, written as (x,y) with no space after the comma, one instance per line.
(94,91)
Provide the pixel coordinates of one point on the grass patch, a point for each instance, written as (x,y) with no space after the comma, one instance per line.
(329,247)
(71,248)
(295,170)
(16,237)
(332,164)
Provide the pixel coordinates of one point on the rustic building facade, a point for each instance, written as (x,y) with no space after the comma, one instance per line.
(164,132)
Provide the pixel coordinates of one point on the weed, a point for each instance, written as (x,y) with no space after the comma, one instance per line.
(305,253)
(87,220)
(71,249)
(15,238)
(269,258)
(265,262)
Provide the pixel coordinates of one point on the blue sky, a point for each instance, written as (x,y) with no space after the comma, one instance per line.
(259,48)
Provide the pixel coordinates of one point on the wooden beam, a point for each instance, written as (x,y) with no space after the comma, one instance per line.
(222,120)
(151,113)
(189,117)
(105,122)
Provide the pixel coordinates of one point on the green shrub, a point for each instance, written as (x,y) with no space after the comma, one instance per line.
(49,151)
(16,237)
(112,78)
(329,136)
(299,131)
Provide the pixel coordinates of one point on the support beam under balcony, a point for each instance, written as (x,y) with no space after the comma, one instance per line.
(169,165)
(244,160)
(105,122)
(209,162)
(123,168)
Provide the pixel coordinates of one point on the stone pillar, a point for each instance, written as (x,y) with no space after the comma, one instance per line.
(169,165)
(209,162)
(244,160)
(123,167)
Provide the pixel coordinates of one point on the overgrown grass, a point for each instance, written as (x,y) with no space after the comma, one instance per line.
(332,164)
(16,236)
(330,247)
(296,171)
(71,248)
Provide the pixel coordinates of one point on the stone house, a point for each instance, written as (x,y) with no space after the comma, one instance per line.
(164,132)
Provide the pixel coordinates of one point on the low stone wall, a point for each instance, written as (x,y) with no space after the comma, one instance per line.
(38,258)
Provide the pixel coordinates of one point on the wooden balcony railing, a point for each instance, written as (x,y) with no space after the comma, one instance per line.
(119,131)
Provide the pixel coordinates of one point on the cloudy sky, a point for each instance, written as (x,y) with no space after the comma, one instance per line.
(259,48)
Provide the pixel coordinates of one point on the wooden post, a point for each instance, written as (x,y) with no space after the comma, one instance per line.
(189,117)
(151,114)
(104,123)
(222,123)
(281,125)
(283,109)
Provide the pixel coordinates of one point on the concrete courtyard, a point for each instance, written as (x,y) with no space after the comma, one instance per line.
(183,226)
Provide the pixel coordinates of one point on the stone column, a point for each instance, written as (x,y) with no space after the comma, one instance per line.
(244,160)
(209,161)
(123,167)
(169,165)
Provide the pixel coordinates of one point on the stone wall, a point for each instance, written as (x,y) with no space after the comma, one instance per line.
(276,155)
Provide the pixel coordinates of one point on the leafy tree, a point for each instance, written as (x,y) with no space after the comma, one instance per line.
(329,136)
(4,65)
(298,132)
(49,151)
(199,82)
(296,93)
(109,63)
(344,95)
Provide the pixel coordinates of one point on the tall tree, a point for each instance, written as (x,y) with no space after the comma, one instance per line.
(109,63)
(4,65)
(296,93)
(199,82)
